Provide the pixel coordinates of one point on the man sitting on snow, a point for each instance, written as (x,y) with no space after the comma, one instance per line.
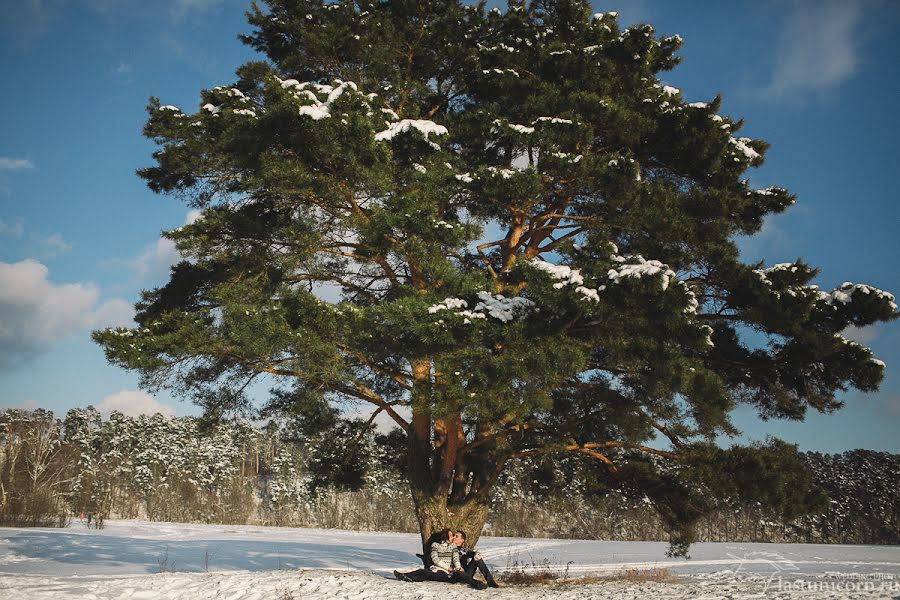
(471,560)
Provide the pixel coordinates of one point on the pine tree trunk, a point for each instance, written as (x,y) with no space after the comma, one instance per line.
(449,490)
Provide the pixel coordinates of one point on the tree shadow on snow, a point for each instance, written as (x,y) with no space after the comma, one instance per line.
(61,554)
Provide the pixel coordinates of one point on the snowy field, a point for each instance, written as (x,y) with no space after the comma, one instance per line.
(142,560)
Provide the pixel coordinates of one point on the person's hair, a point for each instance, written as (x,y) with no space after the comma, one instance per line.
(445,534)
(462,533)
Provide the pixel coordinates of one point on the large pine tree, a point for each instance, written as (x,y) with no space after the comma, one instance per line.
(531,238)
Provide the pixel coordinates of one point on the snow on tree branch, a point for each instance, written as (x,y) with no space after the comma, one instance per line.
(423,126)
(497,306)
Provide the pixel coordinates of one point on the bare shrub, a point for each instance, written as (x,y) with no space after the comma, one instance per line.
(34,470)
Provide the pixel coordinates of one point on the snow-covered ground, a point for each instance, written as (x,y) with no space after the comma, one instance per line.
(138,559)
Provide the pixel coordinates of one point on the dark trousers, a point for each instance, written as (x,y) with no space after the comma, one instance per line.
(478,565)
(442,576)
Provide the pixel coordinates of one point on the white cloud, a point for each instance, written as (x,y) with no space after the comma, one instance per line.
(36,313)
(37,310)
(133,403)
(817,48)
(15,164)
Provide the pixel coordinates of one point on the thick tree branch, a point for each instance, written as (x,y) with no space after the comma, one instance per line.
(400,378)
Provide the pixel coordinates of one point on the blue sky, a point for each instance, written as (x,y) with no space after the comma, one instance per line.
(79,232)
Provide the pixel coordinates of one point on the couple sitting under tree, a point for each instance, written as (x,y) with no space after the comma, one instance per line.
(447,559)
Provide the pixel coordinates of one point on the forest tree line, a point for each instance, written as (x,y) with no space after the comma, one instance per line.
(187,470)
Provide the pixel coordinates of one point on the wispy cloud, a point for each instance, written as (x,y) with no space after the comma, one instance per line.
(123,73)
(818,48)
(15,164)
(52,244)
(180,8)
(14,230)
(32,243)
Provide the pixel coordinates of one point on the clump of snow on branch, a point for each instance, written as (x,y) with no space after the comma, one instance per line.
(232,93)
(448,304)
(845,293)
(503,308)
(637,267)
(566,275)
(740,144)
(554,120)
(641,267)
(769,191)
(670,91)
(841,295)
(504,173)
(318,109)
(219,92)
(423,126)
(524,129)
(763,274)
(497,306)
(500,72)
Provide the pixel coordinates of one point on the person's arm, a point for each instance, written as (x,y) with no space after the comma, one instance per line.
(454,562)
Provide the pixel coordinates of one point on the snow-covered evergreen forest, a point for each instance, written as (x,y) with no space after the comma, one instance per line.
(182,469)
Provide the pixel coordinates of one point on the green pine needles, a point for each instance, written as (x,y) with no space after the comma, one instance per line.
(500,229)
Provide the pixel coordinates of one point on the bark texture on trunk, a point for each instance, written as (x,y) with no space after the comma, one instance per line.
(434,514)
